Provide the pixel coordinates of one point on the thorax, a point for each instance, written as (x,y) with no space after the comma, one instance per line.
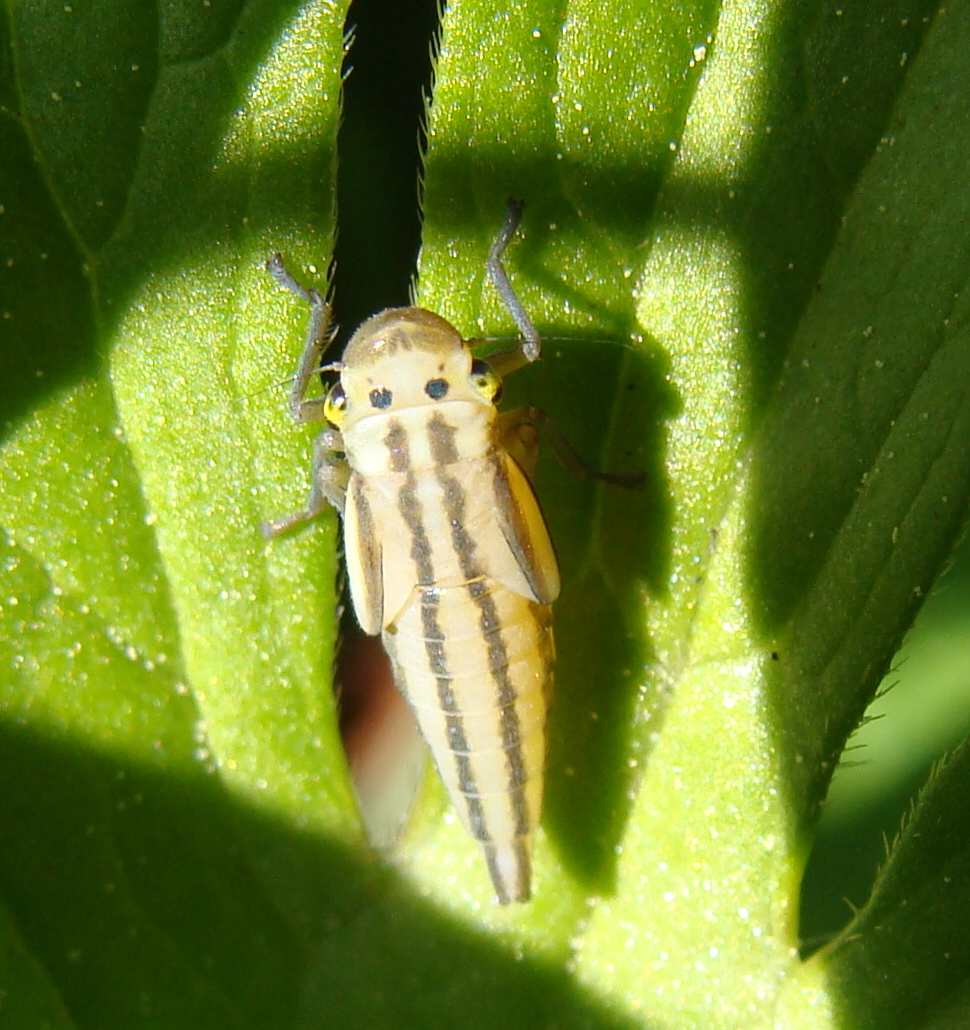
(420,440)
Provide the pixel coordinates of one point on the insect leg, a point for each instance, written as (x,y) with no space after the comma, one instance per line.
(318,335)
(330,476)
(531,343)
(519,425)
(519,434)
(504,362)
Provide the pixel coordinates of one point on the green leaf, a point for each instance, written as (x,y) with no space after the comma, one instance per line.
(721,323)
(745,247)
(911,937)
(146,623)
(160,463)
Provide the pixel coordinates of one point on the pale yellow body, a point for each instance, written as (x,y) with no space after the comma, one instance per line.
(449,558)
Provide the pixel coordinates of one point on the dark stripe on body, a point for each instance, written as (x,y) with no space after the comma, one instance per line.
(443,452)
(408,505)
(396,442)
(520,889)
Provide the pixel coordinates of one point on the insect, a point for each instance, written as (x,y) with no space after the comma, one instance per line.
(448,555)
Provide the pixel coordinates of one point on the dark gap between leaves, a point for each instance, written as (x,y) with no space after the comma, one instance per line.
(387,73)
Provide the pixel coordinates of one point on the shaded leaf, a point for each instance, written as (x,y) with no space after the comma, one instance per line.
(744,246)
(904,960)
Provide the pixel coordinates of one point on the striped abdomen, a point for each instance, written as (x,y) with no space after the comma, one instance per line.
(449,557)
(475,660)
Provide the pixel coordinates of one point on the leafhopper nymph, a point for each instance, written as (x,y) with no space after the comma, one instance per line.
(448,555)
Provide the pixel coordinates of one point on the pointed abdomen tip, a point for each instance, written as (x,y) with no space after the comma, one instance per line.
(510,866)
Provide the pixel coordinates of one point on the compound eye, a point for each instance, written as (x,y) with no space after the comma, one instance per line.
(335,406)
(485,381)
(436,388)
(381,398)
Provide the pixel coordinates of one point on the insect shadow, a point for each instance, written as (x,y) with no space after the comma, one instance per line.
(612,401)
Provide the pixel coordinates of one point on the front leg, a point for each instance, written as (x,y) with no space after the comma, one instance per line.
(331,474)
(518,433)
(531,343)
(318,336)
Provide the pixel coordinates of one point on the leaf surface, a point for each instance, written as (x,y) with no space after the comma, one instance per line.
(745,244)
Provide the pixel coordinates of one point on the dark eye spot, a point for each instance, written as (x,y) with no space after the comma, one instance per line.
(436,388)
(381,398)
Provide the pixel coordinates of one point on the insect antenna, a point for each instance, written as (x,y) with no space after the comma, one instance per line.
(331,366)
(630,341)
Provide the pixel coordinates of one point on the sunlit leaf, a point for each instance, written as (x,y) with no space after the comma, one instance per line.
(745,243)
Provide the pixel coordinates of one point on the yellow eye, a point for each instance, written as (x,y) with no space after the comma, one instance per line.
(484,379)
(335,406)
